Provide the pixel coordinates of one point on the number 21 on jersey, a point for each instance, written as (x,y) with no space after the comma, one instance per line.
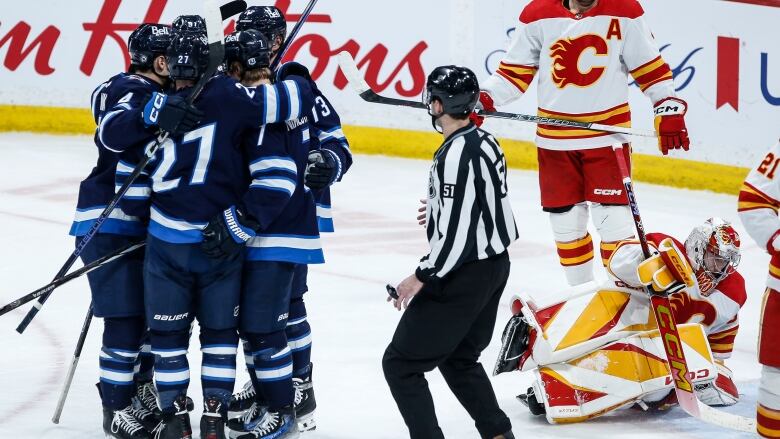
(769,165)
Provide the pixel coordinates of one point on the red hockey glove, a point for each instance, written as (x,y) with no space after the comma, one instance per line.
(485,104)
(670,124)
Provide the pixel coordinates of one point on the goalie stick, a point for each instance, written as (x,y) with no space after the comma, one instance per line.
(213,15)
(56,283)
(667,326)
(350,70)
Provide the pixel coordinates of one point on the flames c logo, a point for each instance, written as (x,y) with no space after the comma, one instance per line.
(689,310)
(566,54)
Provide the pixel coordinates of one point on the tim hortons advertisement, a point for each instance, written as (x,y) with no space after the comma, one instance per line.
(726,61)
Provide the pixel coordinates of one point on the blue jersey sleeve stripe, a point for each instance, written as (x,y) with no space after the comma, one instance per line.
(268,164)
(285,89)
(296,106)
(102,127)
(270,188)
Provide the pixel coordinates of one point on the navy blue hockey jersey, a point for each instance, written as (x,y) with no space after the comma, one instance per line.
(282,203)
(197,175)
(329,135)
(109,99)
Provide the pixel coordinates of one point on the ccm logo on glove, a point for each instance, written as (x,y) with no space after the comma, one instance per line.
(153,107)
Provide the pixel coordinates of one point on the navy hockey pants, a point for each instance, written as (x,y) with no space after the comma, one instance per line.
(117,288)
(182,283)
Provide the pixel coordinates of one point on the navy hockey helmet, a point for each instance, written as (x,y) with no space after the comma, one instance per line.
(250,48)
(455,87)
(267,19)
(188,56)
(189,23)
(148,42)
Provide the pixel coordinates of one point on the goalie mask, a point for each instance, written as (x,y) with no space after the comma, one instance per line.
(713,249)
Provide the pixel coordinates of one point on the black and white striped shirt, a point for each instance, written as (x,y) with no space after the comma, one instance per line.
(469,215)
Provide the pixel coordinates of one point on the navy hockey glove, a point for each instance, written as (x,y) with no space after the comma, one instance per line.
(228,233)
(171,113)
(323,169)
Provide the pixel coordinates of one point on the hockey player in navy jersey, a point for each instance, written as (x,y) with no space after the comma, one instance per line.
(199,183)
(287,235)
(117,289)
(329,158)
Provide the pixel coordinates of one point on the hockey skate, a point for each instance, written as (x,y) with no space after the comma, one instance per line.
(529,400)
(123,424)
(270,425)
(146,398)
(212,423)
(242,401)
(305,404)
(239,423)
(175,425)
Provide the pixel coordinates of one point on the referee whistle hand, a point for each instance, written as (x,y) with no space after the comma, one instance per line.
(407,289)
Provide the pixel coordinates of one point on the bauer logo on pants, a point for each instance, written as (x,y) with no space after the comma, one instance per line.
(171,318)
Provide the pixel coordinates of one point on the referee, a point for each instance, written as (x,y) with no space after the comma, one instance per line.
(457,286)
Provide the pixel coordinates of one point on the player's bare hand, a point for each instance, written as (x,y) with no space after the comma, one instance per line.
(422,216)
(407,289)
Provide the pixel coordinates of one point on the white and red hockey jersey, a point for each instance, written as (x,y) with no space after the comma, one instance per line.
(717,312)
(583,63)
(759,201)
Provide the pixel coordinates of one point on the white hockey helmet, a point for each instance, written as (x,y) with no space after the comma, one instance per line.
(713,249)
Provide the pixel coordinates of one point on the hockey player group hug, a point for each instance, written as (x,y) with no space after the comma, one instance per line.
(231,207)
(233,203)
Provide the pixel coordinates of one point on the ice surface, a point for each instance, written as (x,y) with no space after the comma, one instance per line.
(377,241)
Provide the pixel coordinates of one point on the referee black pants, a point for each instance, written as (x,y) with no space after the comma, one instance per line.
(449,329)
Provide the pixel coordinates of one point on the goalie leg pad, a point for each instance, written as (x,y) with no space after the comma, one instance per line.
(720,392)
(574,243)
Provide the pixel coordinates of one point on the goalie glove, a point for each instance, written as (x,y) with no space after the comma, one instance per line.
(668,271)
(514,343)
(670,124)
(719,392)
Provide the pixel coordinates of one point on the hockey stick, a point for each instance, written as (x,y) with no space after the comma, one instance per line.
(350,69)
(214,30)
(92,266)
(293,33)
(232,8)
(72,369)
(667,326)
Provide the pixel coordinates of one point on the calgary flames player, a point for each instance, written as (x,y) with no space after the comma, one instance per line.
(759,201)
(599,351)
(582,52)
